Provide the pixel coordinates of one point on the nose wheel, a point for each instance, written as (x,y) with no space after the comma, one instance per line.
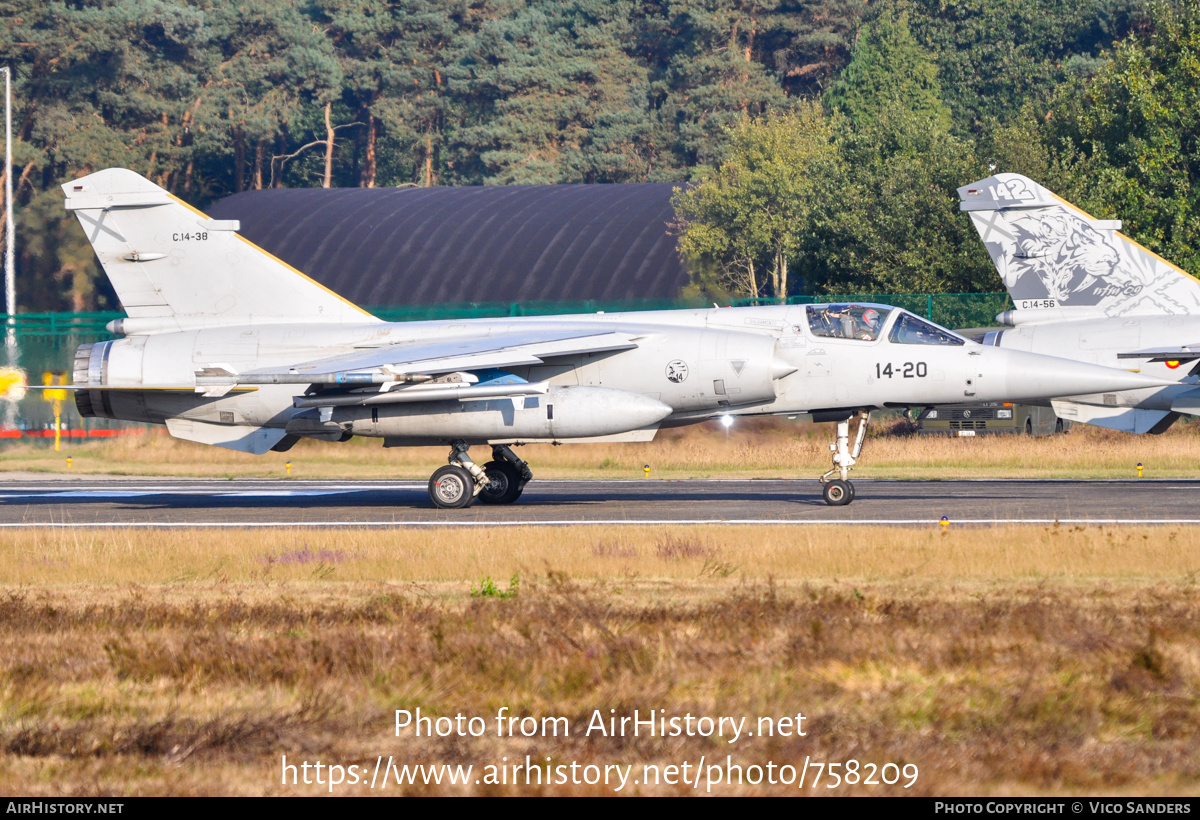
(838,492)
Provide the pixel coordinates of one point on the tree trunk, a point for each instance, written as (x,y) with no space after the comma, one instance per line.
(239,159)
(277,181)
(328,146)
(780,275)
(260,151)
(368,171)
(428,159)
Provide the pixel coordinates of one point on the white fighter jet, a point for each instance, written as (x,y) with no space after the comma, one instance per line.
(229,346)
(1084,291)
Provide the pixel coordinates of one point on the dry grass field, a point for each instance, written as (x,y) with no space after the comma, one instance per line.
(764,448)
(995,661)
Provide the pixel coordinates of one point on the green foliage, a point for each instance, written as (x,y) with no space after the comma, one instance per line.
(757,215)
(551,96)
(996,56)
(1135,130)
(487,588)
(898,227)
(889,72)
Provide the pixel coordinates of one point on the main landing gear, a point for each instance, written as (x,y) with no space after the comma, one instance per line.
(839,492)
(460,482)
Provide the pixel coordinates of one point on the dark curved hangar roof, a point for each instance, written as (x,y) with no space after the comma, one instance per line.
(422,246)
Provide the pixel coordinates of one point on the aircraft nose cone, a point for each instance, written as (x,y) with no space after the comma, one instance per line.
(1029,376)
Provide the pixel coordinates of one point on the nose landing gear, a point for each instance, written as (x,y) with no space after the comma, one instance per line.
(839,492)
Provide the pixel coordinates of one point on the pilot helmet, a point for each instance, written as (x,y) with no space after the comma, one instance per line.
(871,318)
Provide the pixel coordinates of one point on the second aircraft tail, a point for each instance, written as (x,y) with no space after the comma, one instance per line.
(1058,262)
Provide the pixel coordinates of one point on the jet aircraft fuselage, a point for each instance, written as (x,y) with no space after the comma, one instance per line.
(666,368)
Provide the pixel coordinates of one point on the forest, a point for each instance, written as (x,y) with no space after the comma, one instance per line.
(818,144)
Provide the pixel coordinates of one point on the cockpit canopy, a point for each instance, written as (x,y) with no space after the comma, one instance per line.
(866,323)
(862,322)
(913,330)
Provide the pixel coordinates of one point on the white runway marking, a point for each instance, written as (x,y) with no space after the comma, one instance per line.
(108,495)
(886,522)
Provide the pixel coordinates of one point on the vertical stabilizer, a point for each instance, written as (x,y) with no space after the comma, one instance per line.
(173,267)
(1058,261)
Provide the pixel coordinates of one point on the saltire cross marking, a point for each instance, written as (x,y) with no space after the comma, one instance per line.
(100,226)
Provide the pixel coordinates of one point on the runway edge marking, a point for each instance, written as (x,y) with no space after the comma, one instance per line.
(911,522)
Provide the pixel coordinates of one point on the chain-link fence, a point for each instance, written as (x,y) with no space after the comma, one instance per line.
(44,343)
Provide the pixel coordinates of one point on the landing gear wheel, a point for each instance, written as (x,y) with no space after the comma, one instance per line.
(504,483)
(838,493)
(451,487)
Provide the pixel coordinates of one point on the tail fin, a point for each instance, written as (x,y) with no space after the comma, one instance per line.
(174,268)
(1058,262)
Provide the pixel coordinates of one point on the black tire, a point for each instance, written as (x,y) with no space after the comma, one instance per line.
(1029,427)
(1058,427)
(504,485)
(451,487)
(838,493)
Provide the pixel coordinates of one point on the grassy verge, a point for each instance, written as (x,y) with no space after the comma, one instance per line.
(1001,660)
(763,448)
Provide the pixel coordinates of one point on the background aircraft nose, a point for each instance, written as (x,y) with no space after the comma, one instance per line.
(1029,376)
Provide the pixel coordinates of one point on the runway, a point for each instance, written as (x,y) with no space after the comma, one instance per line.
(150,502)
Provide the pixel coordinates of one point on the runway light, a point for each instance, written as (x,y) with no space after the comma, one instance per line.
(288,466)
(69,460)
(1139,469)
(727,420)
(646,469)
(944,523)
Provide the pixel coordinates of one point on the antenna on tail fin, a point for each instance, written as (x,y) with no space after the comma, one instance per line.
(173,268)
(1057,262)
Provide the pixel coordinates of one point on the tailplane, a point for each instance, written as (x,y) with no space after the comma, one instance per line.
(1057,262)
(174,268)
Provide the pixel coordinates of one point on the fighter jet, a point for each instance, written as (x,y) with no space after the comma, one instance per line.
(1084,291)
(227,345)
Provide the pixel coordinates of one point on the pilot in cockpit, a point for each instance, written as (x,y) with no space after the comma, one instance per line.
(868,325)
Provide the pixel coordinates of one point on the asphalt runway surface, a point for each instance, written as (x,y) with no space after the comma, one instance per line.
(150,502)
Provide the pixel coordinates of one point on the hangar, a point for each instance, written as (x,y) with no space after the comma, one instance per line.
(424,246)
